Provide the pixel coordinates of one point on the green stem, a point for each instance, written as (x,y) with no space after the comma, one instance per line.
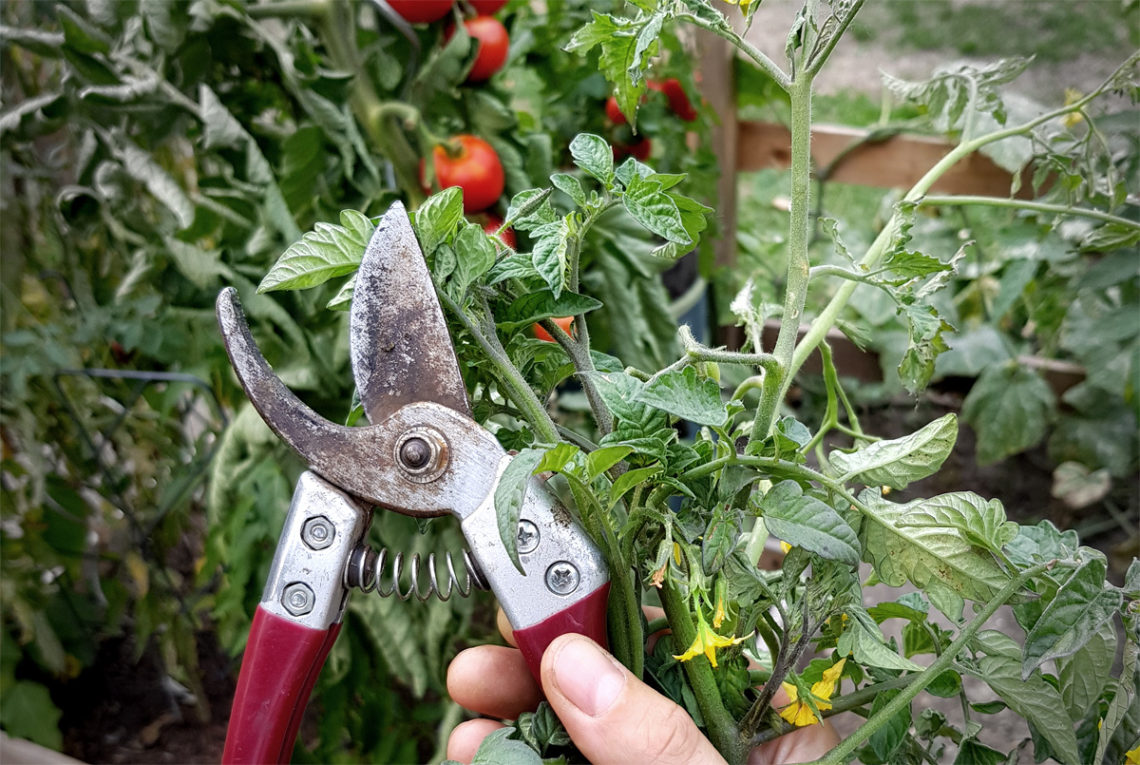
(765,64)
(1024,204)
(283,9)
(695,351)
(846,747)
(827,318)
(515,386)
(799,266)
(719,722)
(818,60)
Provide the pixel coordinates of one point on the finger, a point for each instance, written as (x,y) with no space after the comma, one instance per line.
(802,745)
(505,628)
(465,739)
(492,680)
(612,716)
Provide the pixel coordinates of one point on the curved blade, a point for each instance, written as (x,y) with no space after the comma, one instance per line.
(362,461)
(398,341)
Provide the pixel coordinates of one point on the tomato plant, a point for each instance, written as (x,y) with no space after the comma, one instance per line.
(564,323)
(471,164)
(492,225)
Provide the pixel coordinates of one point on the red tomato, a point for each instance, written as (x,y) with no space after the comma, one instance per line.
(474,167)
(639,150)
(493,43)
(487,7)
(678,99)
(421,11)
(613,111)
(508,235)
(563,322)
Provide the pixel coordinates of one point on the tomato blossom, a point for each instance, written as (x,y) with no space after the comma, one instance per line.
(707,641)
(798,712)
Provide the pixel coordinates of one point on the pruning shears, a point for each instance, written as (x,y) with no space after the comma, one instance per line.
(422,455)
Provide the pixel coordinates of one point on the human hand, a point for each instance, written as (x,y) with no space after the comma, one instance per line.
(611,716)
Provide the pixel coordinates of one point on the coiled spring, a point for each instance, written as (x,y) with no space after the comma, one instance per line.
(384,573)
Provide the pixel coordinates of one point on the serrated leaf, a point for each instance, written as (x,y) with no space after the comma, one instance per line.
(925,328)
(594,156)
(1083,675)
(899,461)
(1078,610)
(870,649)
(324,253)
(475,254)
(718,540)
(497,748)
(570,186)
(342,300)
(980,521)
(141,166)
(1010,407)
(389,626)
(550,256)
(1035,700)
(885,741)
(528,309)
(940,560)
(437,219)
(683,394)
(509,495)
(655,210)
(202,268)
(804,521)
(530,209)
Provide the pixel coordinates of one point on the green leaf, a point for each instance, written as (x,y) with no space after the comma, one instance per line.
(437,219)
(27,711)
(601,460)
(719,540)
(925,328)
(655,210)
(1010,407)
(512,267)
(870,649)
(886,740)
(141,166)
(1076,613)
(202,268)
(940,560)
(530,209)
(629,479)
(570,186)
(683,394)
(897,462)
(509,495)
(324,253)
(528,309)
(804,521)
(550,256)
(475,254)
(980,521)
(973,752)
(557,458)
(342,300)
(1034,699)
(1083,675)
(79,34)
(626,49)
(392,633)
(594,156)
(499,749)
(1077,486)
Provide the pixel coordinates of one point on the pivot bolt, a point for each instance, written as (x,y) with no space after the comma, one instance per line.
(318,532)
(527,537)
(298,598)
(562,578)
(415,453)
(422,454)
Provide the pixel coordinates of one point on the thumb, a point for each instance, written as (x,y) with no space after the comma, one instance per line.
(611,715)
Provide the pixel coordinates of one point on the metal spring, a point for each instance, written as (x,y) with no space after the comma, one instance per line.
(367,570)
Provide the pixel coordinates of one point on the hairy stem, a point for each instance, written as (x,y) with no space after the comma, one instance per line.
(1024,204)
(721,726)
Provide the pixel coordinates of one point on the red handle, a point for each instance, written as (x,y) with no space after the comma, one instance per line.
(281,664)
(586,617)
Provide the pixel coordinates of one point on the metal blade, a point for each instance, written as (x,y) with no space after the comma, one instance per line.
(398,341)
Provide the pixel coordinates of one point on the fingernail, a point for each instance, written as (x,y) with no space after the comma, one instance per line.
(587,677)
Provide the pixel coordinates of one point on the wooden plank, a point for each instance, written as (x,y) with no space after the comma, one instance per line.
(718,87)
(897,161)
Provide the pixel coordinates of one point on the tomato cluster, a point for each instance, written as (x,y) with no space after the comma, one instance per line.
(640,147)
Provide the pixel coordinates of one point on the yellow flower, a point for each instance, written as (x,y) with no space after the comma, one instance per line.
(718,615)
(1133,757)
(707,641)
(787,548)
(799,713)
(1072,118)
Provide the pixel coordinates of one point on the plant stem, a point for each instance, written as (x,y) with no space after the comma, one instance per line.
(846,747)
(721,726)
(288,9)
(827,318)
(515,387)
(765,64)
(817,61)
(1024,204)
